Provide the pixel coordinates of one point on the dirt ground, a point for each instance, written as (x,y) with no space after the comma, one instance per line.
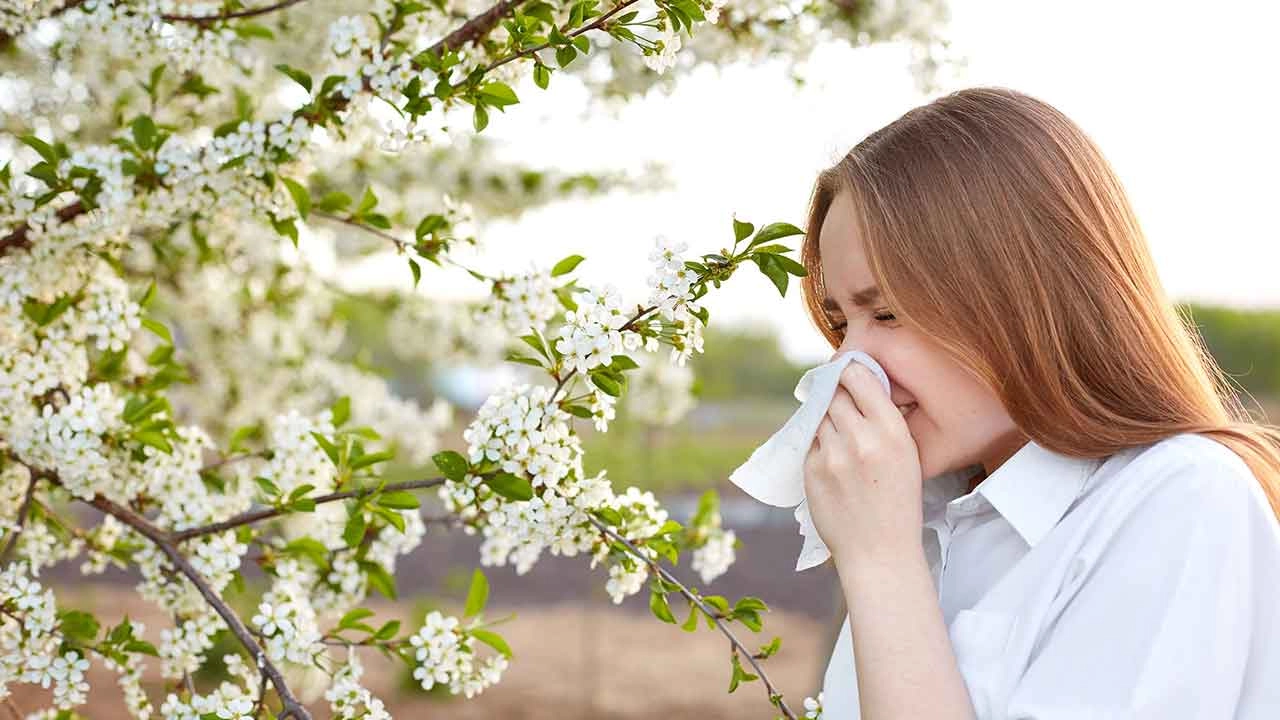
(573,660)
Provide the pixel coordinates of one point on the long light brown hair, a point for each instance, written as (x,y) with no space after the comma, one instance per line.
(994,225)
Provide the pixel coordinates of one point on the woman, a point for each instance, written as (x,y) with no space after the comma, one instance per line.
(1099,524)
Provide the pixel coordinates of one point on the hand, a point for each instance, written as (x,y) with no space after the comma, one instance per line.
(862,476)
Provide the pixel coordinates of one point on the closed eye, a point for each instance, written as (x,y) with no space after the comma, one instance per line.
(883,317)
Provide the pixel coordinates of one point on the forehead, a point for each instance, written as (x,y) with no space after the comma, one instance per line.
(844,264)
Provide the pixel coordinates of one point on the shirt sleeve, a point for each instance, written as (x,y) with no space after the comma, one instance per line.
(1175,615)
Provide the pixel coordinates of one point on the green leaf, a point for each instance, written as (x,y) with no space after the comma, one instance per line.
(372,459)
(352,619)
(623,362)
(609,515)
(379,578)
(769,650)
(301,197)
(493,640)
(429,224)
(387,631)
(498,94)
(286,228)
(416,270)
(566,265)
(296,75)
(541,75)
(790,265)
(148,296)
(566,55)
(477,594)
(45,150)
(353,531)
(579,411)
(249,30)
(481,118)
(691,623)
(341,410)
(329,448)
(144,132)
(510,486)
(452,465)
(367,202)
(606,384)
(658,605)
(154,439)
(269,488)
(399,500)
(741,230)
(774,231)
(78,626)
(308,547)
(772,270)
(334,201)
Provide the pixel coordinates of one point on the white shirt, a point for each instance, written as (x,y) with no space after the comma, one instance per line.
(1142,585)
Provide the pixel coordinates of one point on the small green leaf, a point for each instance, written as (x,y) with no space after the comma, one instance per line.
(510,486)
(372,459)
(367,202)
(352,619)
(481,118)
(566,55)
(658,604)
(493,640)
(144,132)
(296,75)
(477,594)
(541,75)
(353,531)
(78,626)
(498,94)
(566,265)
(774,231)
(416,270)
(379,578)
(741,230)
(399,500)
(691,623)
(452,465)
(301,197)
(269,488)
(341,410)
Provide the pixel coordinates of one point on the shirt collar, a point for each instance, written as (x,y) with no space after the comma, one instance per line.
(1031,490)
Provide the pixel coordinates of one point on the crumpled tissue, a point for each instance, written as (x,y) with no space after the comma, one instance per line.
(774,474)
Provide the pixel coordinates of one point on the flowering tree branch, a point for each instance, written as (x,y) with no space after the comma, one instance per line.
(255,516)
(775,697)
(292,708)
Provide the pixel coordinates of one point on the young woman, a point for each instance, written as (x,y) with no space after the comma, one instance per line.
(1097,514)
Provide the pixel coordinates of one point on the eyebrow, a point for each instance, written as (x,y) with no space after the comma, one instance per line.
(860,298)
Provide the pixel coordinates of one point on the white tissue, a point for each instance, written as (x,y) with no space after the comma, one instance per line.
(774,474)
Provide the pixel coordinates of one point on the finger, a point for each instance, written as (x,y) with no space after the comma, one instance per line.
(827,433)
(868,394)
(844,413)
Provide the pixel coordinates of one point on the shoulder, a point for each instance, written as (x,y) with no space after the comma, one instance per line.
(1187,481)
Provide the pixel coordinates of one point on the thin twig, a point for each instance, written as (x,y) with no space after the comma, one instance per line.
(253,516)
(204,20)
(715,616)
(292,707)
(585,28)
(21,521)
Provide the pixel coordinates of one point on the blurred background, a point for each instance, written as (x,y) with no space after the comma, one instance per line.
(1178,102)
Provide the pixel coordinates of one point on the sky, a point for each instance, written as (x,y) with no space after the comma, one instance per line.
(1182,105)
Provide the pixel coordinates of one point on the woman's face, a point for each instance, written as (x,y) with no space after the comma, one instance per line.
(956,420)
